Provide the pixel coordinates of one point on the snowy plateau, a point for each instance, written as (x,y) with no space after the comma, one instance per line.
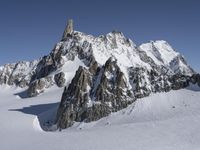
(100,93)
(167,121)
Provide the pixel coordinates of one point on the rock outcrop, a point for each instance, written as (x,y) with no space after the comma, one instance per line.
(68,30)
(38,86)
(91,96)
(60,79)
(195,79)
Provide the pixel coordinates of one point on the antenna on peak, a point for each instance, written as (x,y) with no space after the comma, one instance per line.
(69,29)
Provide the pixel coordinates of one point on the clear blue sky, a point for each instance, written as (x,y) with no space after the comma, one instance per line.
(29,29)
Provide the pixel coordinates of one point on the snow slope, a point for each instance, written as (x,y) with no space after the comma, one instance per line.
(160,51)
(164,55)
(167,121)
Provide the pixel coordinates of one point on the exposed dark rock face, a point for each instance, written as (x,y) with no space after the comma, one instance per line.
(91,96)
(179,81)
(60,79)
(146,59)
(36,87)
(44,67)
(138,82)
(199,80)
(69,29)
(195,79)
(74,99)
(145,82)
(110,86)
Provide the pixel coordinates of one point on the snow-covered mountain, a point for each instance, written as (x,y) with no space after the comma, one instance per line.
(100,74)
(79,48)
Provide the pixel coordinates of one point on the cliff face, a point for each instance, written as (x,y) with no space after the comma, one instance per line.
(68,30)
(93,94)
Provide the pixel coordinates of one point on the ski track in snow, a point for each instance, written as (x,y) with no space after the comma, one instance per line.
(167,121)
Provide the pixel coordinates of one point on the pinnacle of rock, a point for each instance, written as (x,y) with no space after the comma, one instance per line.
(68,29)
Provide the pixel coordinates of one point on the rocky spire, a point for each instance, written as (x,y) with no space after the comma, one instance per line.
(68,29)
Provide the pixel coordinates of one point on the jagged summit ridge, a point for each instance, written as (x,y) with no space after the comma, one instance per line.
(77,48)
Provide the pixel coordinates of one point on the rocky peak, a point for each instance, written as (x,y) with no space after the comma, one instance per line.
(68,30)
(74,99)
(91,96)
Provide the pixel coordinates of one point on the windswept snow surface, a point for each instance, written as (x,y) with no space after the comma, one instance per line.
(163,121)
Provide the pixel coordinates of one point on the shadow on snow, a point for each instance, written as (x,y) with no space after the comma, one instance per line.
(45,113)
(22,94)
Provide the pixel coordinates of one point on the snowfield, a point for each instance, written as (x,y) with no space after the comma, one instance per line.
(163,121)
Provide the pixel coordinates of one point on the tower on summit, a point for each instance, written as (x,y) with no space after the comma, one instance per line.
(68,29)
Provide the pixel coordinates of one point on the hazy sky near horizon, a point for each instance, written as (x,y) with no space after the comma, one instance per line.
(29,29)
